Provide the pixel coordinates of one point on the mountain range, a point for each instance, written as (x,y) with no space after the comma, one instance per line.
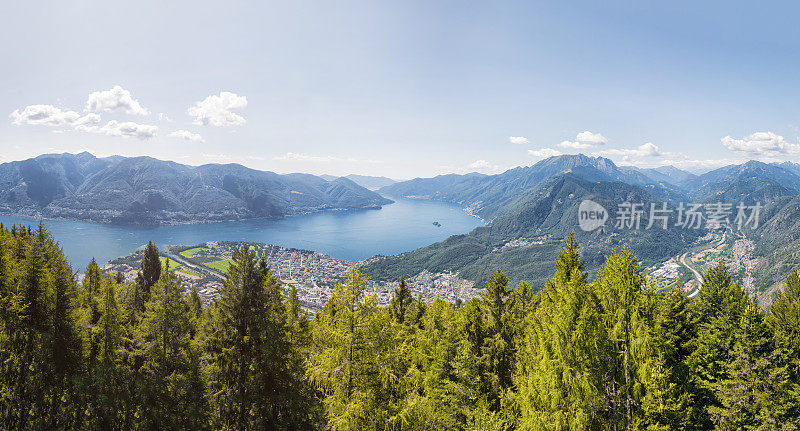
(144,190)
(530,210)
(523,239)
(491,195)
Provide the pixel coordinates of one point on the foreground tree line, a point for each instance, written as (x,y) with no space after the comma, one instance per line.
(609,354)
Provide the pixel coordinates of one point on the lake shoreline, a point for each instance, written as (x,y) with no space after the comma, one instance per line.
(352,235)
(39,216)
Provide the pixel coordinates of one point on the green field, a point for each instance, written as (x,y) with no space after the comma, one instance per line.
(191,252)
(172,264)
(220,265)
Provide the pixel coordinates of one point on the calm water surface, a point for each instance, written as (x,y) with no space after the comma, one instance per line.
(402,226)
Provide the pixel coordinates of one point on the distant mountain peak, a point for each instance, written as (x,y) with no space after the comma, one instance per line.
(366,181)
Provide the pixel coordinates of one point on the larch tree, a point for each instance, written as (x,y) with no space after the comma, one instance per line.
(400,302)
(628,352)
(559,376)
(348,363)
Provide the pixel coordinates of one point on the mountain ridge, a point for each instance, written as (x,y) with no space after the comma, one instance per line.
(520,241)
(145,190)
(489,196)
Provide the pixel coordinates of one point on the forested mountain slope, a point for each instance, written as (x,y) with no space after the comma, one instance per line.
(539,221)
(750,182)
(147,190)
(492,195)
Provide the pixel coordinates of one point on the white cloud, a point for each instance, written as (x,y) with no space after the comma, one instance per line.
(163,117)
(544,153)
(592,138)
(519,140)
(49,115)
(125,129)
(584,140)
(218,110)
(483,166)
(761,144)
(575,145)
(115,99)
(90,119)
(187,135)
(650,155)
(648,149)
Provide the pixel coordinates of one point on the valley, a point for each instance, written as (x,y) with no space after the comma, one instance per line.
(733,249)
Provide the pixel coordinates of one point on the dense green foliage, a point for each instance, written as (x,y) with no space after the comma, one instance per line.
(580,354)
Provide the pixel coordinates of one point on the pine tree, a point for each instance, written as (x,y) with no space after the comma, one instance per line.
(434,397)
(195,304)
(521,303)
(231,346)
(34,311)
(91,291)
(499,340)
(32,338)
(66,346)
(293,305)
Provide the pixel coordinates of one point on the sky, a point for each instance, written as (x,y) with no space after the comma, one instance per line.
(402,89)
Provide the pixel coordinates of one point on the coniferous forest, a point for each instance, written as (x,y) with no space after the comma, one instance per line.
(605,354)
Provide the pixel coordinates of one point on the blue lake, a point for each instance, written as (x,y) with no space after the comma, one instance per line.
(402,226)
